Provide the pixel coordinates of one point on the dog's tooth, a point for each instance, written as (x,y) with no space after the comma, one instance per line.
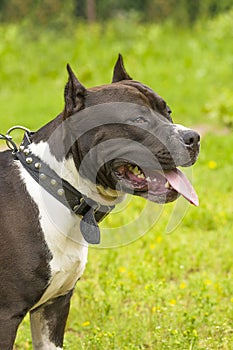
(136,171)
(148,179)
(167,185)
(141,176)
(131,168)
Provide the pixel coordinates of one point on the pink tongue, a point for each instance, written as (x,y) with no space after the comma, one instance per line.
(181,184)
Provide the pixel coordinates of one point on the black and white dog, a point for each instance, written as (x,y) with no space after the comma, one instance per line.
(64,178)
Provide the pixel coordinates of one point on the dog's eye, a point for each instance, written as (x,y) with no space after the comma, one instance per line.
(140,119)
(169,110)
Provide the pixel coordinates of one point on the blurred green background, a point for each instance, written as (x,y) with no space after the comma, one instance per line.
(164,291)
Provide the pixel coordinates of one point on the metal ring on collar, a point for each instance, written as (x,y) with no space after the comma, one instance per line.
(10,143)
(20,127)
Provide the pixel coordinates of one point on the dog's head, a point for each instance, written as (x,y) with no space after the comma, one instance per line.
(124,139)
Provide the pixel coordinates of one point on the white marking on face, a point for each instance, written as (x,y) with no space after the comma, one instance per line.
(180,127)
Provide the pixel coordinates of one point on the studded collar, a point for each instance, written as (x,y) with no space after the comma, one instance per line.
(90,211)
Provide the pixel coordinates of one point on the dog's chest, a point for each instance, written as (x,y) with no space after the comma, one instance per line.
(63,238)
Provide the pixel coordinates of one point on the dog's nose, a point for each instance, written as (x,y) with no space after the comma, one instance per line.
(190,137)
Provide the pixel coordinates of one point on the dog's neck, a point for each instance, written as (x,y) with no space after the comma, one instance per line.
(48,144)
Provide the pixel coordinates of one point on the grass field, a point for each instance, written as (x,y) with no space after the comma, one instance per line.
(172,288)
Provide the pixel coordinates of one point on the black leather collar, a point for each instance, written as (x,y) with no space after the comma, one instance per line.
(89,210)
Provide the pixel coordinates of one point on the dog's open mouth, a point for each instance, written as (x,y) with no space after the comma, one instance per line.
(165,184)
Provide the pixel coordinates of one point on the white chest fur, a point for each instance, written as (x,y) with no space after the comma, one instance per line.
(63,237)
(59,225)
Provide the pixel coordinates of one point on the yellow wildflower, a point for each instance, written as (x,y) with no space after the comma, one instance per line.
(121,269)
(212,164)
(207,282)
(153,309)
(183,285)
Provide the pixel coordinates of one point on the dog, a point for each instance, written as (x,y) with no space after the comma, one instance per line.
(63,179)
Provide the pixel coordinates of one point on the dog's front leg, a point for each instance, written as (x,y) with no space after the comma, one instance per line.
(48,323)
(8,329)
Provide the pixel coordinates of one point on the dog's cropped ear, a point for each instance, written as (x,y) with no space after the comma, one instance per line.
(119,72)
(74,94)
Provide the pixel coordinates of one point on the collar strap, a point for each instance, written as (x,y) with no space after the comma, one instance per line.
(90,211)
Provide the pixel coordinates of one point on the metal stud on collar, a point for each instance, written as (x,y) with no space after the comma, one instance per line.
(29,160)
(42,176)
(26,151)
(37,165)
(60,192)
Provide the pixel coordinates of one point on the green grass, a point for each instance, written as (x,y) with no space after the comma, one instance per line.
(164,290)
